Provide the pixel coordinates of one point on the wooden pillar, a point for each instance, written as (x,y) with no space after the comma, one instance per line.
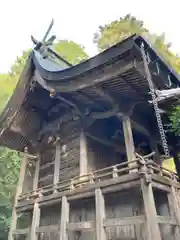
(153,231)
(64,219)
(174,205)
(18,192)
(36,173)
(100,215)
(35,222)
(83,164)
(174,211)
(128,138)
(57,163)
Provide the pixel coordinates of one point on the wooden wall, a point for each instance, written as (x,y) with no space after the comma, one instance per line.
(101,156)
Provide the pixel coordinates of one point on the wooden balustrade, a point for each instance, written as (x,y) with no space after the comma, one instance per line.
(99,175)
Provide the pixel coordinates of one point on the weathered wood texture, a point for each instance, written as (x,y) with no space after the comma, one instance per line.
(70,159)
(35,222)
(122,205)
(64,219)
(50,216)
(152,228)
(29,176)
(100,215)
(129,141)
(101,156)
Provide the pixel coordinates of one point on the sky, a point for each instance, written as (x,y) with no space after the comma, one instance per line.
(78,20)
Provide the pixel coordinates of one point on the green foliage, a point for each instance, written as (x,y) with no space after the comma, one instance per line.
(118,30)
(18,66)
(71,51)
(9,171)
(175,120)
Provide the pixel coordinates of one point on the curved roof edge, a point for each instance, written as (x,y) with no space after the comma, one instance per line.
(69,72)
(104,57)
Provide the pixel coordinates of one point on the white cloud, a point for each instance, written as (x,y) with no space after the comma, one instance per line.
(78,20)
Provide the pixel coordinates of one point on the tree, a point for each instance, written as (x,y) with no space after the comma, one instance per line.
(71,51)
(9,171)
(118,30)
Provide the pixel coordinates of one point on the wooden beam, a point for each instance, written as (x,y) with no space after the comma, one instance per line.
(100,215)
(153,231)
(108,185)
(64,219)
(88,80)
(166,220)
(18,192)
(139,128)
(80,226)
(23,231)
(114,222)
(35,222)
(129,142)
(47,229)
(117,148)
(36,173)
(135,125)
(83,164)
(57,163)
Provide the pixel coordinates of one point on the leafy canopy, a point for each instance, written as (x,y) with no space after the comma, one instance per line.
(118,30)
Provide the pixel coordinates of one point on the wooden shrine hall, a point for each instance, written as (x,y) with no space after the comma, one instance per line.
(93,138)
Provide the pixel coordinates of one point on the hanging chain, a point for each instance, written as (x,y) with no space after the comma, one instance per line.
(155,104)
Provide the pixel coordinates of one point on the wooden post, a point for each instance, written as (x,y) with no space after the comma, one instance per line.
(153,231)
(64,219)
(83,164)
(174,211)
(175,204)
(35,222)
(57,163)
(36,173)
(129,142)
(18,192)
(100,215)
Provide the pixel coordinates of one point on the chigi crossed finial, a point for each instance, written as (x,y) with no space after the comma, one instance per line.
(45,43)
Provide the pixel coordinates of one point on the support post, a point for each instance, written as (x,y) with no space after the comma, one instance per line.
(174,211)
(18,192)
(64,219)
(57,163)
(153,231)
(129,142)
(83,164)
(35,222)
(100,215)
(36,173)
